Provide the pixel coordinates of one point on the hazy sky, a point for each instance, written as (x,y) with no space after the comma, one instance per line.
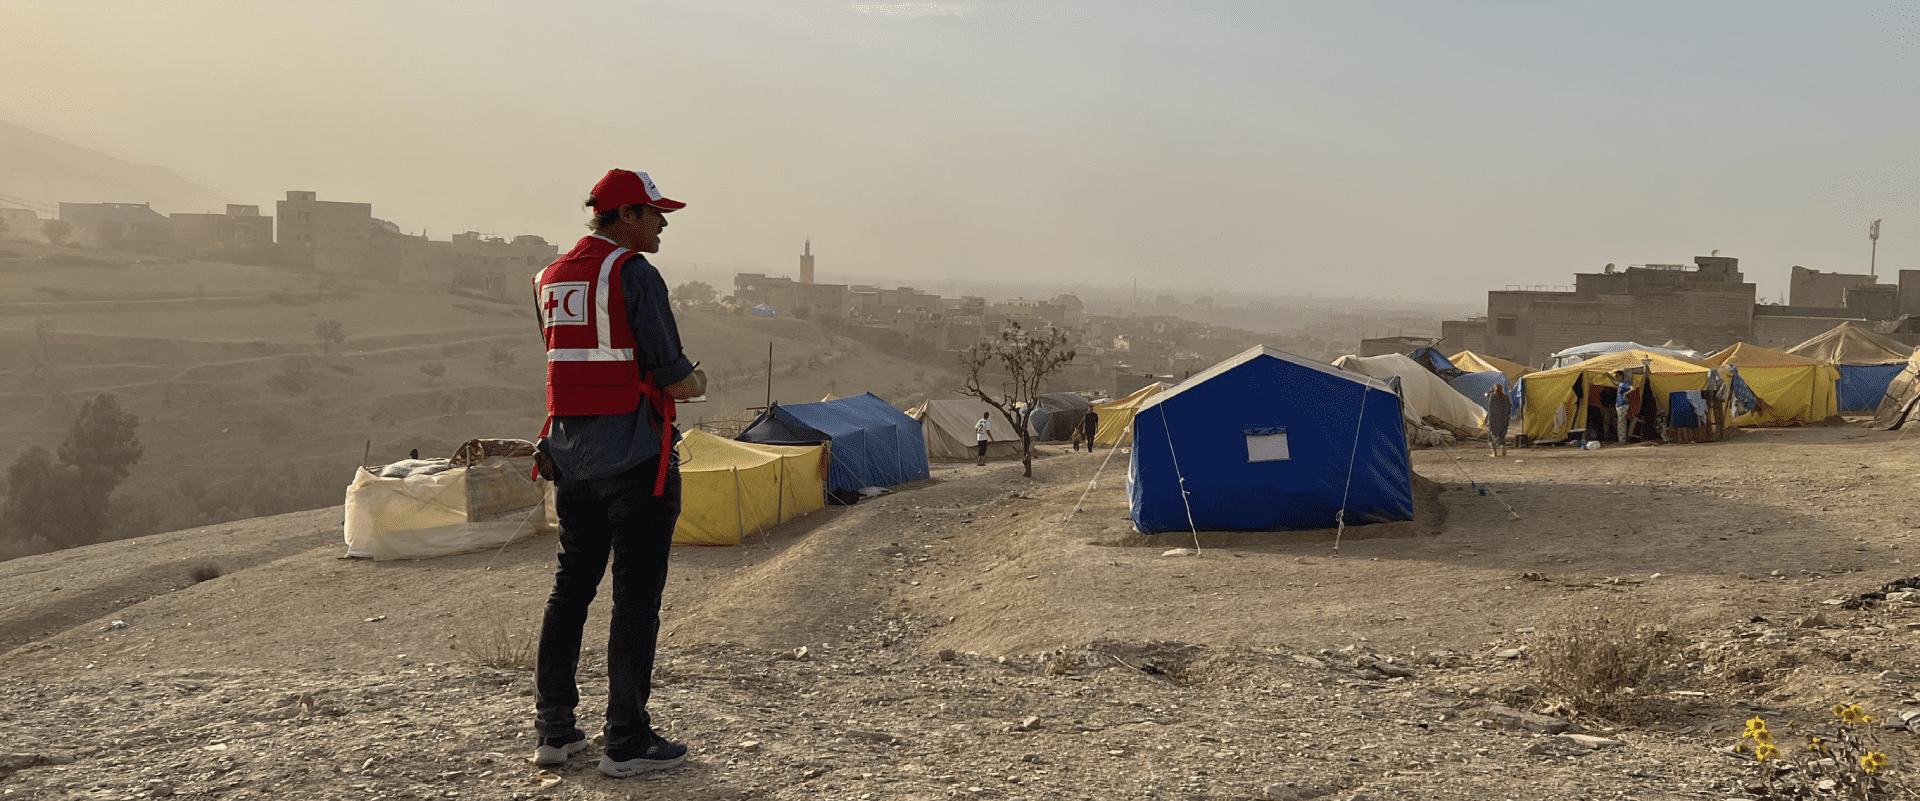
(1376,149)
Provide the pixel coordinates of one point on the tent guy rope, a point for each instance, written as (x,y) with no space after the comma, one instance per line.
(1166,424)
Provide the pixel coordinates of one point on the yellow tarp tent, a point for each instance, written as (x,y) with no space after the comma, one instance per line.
(1793,390)
(1553,409)
(730,489)
(1475,363)
(1116,416)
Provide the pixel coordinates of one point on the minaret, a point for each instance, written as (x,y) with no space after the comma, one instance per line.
(806,264)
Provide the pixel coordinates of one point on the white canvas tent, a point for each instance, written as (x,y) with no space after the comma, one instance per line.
(1426,395)
(947,426)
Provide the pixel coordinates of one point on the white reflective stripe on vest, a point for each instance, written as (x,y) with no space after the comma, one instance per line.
(603,317)
(590,355)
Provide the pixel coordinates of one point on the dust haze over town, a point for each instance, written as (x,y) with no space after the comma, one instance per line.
(1307,175)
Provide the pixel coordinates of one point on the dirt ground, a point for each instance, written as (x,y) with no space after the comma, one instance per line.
(983,635)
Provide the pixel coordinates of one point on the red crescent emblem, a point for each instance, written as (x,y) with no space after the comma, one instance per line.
(566,299)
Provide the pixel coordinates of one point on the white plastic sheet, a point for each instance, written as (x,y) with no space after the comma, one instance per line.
(456,511)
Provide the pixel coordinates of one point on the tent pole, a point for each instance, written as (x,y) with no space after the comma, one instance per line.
(739,506)
(769,373)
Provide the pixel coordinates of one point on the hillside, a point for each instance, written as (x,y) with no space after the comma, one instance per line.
(245,411)
(972,636)
(42,169)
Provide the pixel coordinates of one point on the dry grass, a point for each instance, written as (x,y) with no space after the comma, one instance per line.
(501,641)
(1603,660)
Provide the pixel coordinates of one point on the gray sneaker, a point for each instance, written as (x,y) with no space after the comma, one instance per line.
(656,753)
(555,750)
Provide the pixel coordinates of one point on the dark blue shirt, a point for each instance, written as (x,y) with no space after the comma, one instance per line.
(587,447)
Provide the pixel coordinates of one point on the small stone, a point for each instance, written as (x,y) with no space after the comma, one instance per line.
(1510,653)
(1309,661)
(750,745)
(1590,742)
(1891,675)
(160,789)
(1179,552)
(376,618)
(797,653)
(1029,723)
(1743,576)
(946,654)
(1510,718)
(876,736)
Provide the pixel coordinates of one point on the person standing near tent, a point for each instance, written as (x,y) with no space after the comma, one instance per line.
(614,369)
(1089,426)
(982,434)
(1499,412)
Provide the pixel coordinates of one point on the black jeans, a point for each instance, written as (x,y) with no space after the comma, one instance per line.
(617,517)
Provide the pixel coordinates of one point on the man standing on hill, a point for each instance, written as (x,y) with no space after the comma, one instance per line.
(614,369)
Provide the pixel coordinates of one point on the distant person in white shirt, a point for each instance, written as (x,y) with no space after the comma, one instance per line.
(982,433)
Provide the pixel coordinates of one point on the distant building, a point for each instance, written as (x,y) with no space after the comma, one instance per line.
(1706,305)
(19,224)
(325,235)
(223,236)
(122,226)
(806,263)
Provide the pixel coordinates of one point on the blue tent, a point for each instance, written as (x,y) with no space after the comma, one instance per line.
(1863,385)
(872,444)
(1476,385)
(1269,441)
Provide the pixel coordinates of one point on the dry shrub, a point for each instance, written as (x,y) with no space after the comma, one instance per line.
(1602,660)
(500,642)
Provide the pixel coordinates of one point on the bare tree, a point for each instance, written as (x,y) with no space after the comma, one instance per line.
(1027,357)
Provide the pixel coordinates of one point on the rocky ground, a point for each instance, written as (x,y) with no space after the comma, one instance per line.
(974,636)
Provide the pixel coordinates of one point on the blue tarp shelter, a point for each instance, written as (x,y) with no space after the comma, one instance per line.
(870,443)
(1476,385)
(1269,441)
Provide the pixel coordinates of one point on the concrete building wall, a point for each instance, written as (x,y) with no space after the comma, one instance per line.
(1814,288)
(1458,335)
(1780,332)
(1874,301)
(1909,283)
(324,235)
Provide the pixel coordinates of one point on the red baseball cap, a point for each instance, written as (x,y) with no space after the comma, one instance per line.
(625,187)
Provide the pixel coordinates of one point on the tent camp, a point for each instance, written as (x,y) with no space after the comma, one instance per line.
(1552,398)
(872,443)
(947,426)
(1868,361)
(731,489)
(1427,395)
(1056,416)
(1116,416)
(1269,441)
(1793,390)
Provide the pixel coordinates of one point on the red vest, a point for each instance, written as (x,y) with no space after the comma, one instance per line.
(592,363)
(591,366)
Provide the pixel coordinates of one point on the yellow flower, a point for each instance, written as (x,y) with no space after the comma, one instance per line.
(1766,752)
(1855,714)
(1756,723)
(1816,744)
(1839,710)
(1763,737)
(1873,762)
